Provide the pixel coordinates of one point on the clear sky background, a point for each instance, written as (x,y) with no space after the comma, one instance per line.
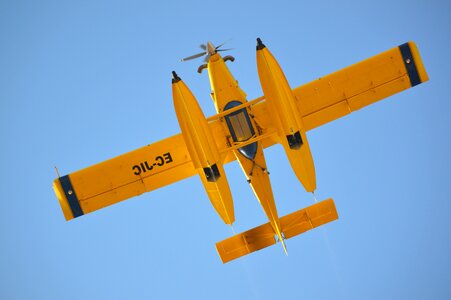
(84,81)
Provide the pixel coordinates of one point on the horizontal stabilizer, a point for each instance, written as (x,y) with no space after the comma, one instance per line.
(263,236)
(308,218)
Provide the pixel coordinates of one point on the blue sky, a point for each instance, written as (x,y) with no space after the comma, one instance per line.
(84,81)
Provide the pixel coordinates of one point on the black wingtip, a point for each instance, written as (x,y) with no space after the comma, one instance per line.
(175,77)
(260,44)
(410,64)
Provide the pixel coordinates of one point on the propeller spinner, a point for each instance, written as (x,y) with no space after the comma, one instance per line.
(209,50)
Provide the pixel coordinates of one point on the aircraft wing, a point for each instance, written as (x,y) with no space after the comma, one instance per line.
(338,94)
(131,174)
(167,161)
(359,85)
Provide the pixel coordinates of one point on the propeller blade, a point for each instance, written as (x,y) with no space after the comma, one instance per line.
(217,47)
(206,58)
(219,50)
(203,46)
(194,56)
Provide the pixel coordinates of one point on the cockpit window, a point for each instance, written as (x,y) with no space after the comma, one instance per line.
(239,123)
(240,126)
(241,129)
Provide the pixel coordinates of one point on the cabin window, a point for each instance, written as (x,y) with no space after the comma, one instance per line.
(240,126)
(241,129)
(239,123)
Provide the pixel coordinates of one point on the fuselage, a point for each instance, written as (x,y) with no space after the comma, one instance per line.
(227,94)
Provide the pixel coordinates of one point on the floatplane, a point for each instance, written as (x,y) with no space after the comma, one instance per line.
(240,131)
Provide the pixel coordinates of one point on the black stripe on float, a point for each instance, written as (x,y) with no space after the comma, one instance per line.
(71,197)
(410,64)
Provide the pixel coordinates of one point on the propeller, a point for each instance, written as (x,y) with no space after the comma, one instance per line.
(209,50)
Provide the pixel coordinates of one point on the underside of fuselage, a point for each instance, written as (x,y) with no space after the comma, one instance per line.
(241,127)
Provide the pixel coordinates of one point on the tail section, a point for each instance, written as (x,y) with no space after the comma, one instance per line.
(282,241)
(264,235)
(280,236)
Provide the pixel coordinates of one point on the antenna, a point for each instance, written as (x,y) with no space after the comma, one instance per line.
(57,173)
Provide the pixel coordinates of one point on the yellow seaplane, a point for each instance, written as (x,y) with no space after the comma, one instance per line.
(241,130)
